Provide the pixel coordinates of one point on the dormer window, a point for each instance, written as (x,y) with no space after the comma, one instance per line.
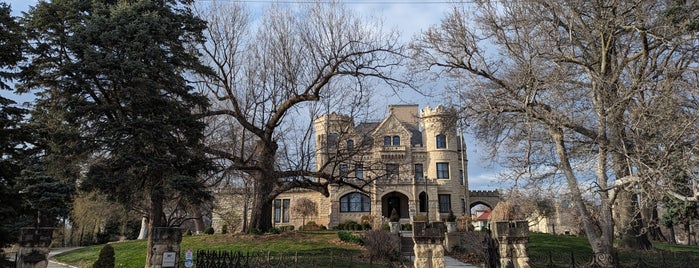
(441,141)
(396,140)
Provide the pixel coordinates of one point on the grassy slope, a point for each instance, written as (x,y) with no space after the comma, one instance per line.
(132,253)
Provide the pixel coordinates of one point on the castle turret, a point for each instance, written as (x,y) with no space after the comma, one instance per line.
(444,163)
(333,131)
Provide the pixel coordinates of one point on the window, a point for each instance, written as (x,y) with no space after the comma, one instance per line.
(461,176)
(355,202)
(350,145)
(333,139)
(423,202)
(359,171)
(392,169)
(444,203)
(387,141)
(463,206)
(442,170)
(281,210)
(441,141)
(344,170)
(396,140)
(418,172)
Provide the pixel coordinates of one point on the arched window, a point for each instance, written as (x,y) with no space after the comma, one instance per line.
(387,141)
(355,202)
(423,202)
(441,141)
(350,145)
(396,140)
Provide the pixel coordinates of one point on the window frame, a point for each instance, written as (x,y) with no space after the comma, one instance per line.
(442,170)
(421,175)
(392,171)
(444,203)
(386,141)
(348,203)
(396,140)
(441,141)
(359,171)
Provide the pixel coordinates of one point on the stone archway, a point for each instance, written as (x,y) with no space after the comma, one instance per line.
(487,198)
(394,200)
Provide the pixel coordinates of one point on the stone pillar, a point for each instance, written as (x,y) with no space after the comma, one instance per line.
(34,247)
(512,237)
(428,248)
(166,247)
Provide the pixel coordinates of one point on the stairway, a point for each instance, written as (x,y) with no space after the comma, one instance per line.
(406,245)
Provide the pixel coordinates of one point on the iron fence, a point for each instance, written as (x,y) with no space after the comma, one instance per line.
(230,259)
(660,259)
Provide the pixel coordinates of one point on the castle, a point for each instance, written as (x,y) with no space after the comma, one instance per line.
(413,161)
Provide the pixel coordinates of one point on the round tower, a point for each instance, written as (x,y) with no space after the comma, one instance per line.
(332,132)
(444,163)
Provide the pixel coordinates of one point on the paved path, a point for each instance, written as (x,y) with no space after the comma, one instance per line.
(56,251)
(453,263)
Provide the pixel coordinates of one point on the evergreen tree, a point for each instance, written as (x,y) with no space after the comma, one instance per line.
(12,133)
(111,81)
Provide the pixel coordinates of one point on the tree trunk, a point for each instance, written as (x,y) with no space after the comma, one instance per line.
(143,234)
(687,233)
(261,214)
(601,245)
(156,220)
(199,225)
(672,239)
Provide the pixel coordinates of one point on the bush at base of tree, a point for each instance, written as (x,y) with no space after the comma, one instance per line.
(224,229)
(209,230)
(311,226)
(382,245)
(106,258)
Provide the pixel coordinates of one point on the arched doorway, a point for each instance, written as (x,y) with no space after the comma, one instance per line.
(397,201)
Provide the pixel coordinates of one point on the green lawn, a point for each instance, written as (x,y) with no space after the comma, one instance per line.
(132,253)
(545,248)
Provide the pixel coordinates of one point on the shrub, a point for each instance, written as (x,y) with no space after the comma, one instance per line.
(322,227)
(188,233)
(224,229)
(350,237)
(349,226)
(406,227)
(451,217)
(385,227)
(274,230)
(106,258)
(366,226)
(209,230)
(394,215)
(254,231)
(382,245)
(286,228)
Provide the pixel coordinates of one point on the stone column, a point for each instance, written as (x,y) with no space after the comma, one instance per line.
(34,247)
(428,248)
(512,237)
(166,247)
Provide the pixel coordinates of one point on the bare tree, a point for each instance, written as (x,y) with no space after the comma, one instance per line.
(565,86)
(304,207)
(271,83)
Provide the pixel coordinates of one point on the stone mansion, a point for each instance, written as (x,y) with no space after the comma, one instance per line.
(412,161)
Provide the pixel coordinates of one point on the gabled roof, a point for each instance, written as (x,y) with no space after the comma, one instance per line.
(484,216)
(391,122)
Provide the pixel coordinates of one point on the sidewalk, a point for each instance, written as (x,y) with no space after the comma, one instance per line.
(56,251)
(450,262)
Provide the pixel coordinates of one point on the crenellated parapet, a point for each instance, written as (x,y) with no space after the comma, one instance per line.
(484,193)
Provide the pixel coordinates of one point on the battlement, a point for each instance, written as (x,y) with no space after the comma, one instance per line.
(484,193)
(437,111)
(334,117)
